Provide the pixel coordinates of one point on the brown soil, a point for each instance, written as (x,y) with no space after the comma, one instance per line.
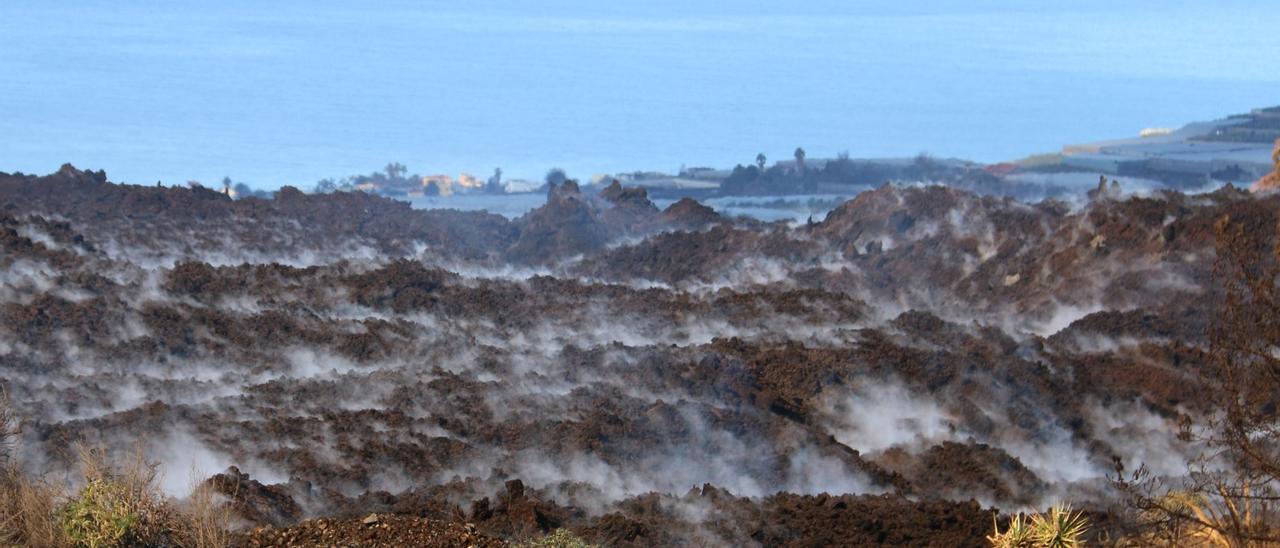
(374,531)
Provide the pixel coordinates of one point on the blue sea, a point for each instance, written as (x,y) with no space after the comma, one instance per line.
(291,91)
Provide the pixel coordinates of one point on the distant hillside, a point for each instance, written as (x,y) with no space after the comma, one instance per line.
(1260,126)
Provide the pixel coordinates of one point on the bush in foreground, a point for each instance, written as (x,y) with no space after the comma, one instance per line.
(101,515)
(114,506)
(560,538)
(1057,528)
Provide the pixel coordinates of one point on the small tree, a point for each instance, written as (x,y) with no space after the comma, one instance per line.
(799,154)
(1230,492)
(926,167)
(556,176)
(494,184)
(395,171)
(760,161)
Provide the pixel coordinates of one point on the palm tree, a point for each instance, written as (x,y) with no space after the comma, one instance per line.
(556,176)
(494,185)
(395,170)
(760,160)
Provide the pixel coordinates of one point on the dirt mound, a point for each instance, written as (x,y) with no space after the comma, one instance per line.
(401,286)
(687,213)
(707,256)
(790,520)
(517,515)
(573,222)
(631,207)
(703,516)
(975,469)
(254,502)
(374,530)
(568,224)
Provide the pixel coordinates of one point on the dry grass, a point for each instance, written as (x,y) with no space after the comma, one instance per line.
(1226,521)
(27,506)
(10,429)
(27,510)
(206,517)
(1017,535)
(117,504)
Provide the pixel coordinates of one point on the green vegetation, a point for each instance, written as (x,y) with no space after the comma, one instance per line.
(100,515)
(560,538)
(1057,528)
(1018,535)
(115,505)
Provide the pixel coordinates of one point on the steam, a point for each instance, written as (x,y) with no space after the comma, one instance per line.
(879,417)
(757,373)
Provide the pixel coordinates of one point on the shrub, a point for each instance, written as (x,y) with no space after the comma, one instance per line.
(100,515)
(26,506)
(27,511)
(206,519)
(1057,528)
(118,506)
(1230,492)
(560,538)
(1227,520)
(1018,535)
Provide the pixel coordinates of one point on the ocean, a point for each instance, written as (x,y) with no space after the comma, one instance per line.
(293,91)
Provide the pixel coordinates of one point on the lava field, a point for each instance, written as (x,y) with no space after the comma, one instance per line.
(893,373)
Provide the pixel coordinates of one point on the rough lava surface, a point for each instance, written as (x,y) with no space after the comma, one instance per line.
(891,374)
